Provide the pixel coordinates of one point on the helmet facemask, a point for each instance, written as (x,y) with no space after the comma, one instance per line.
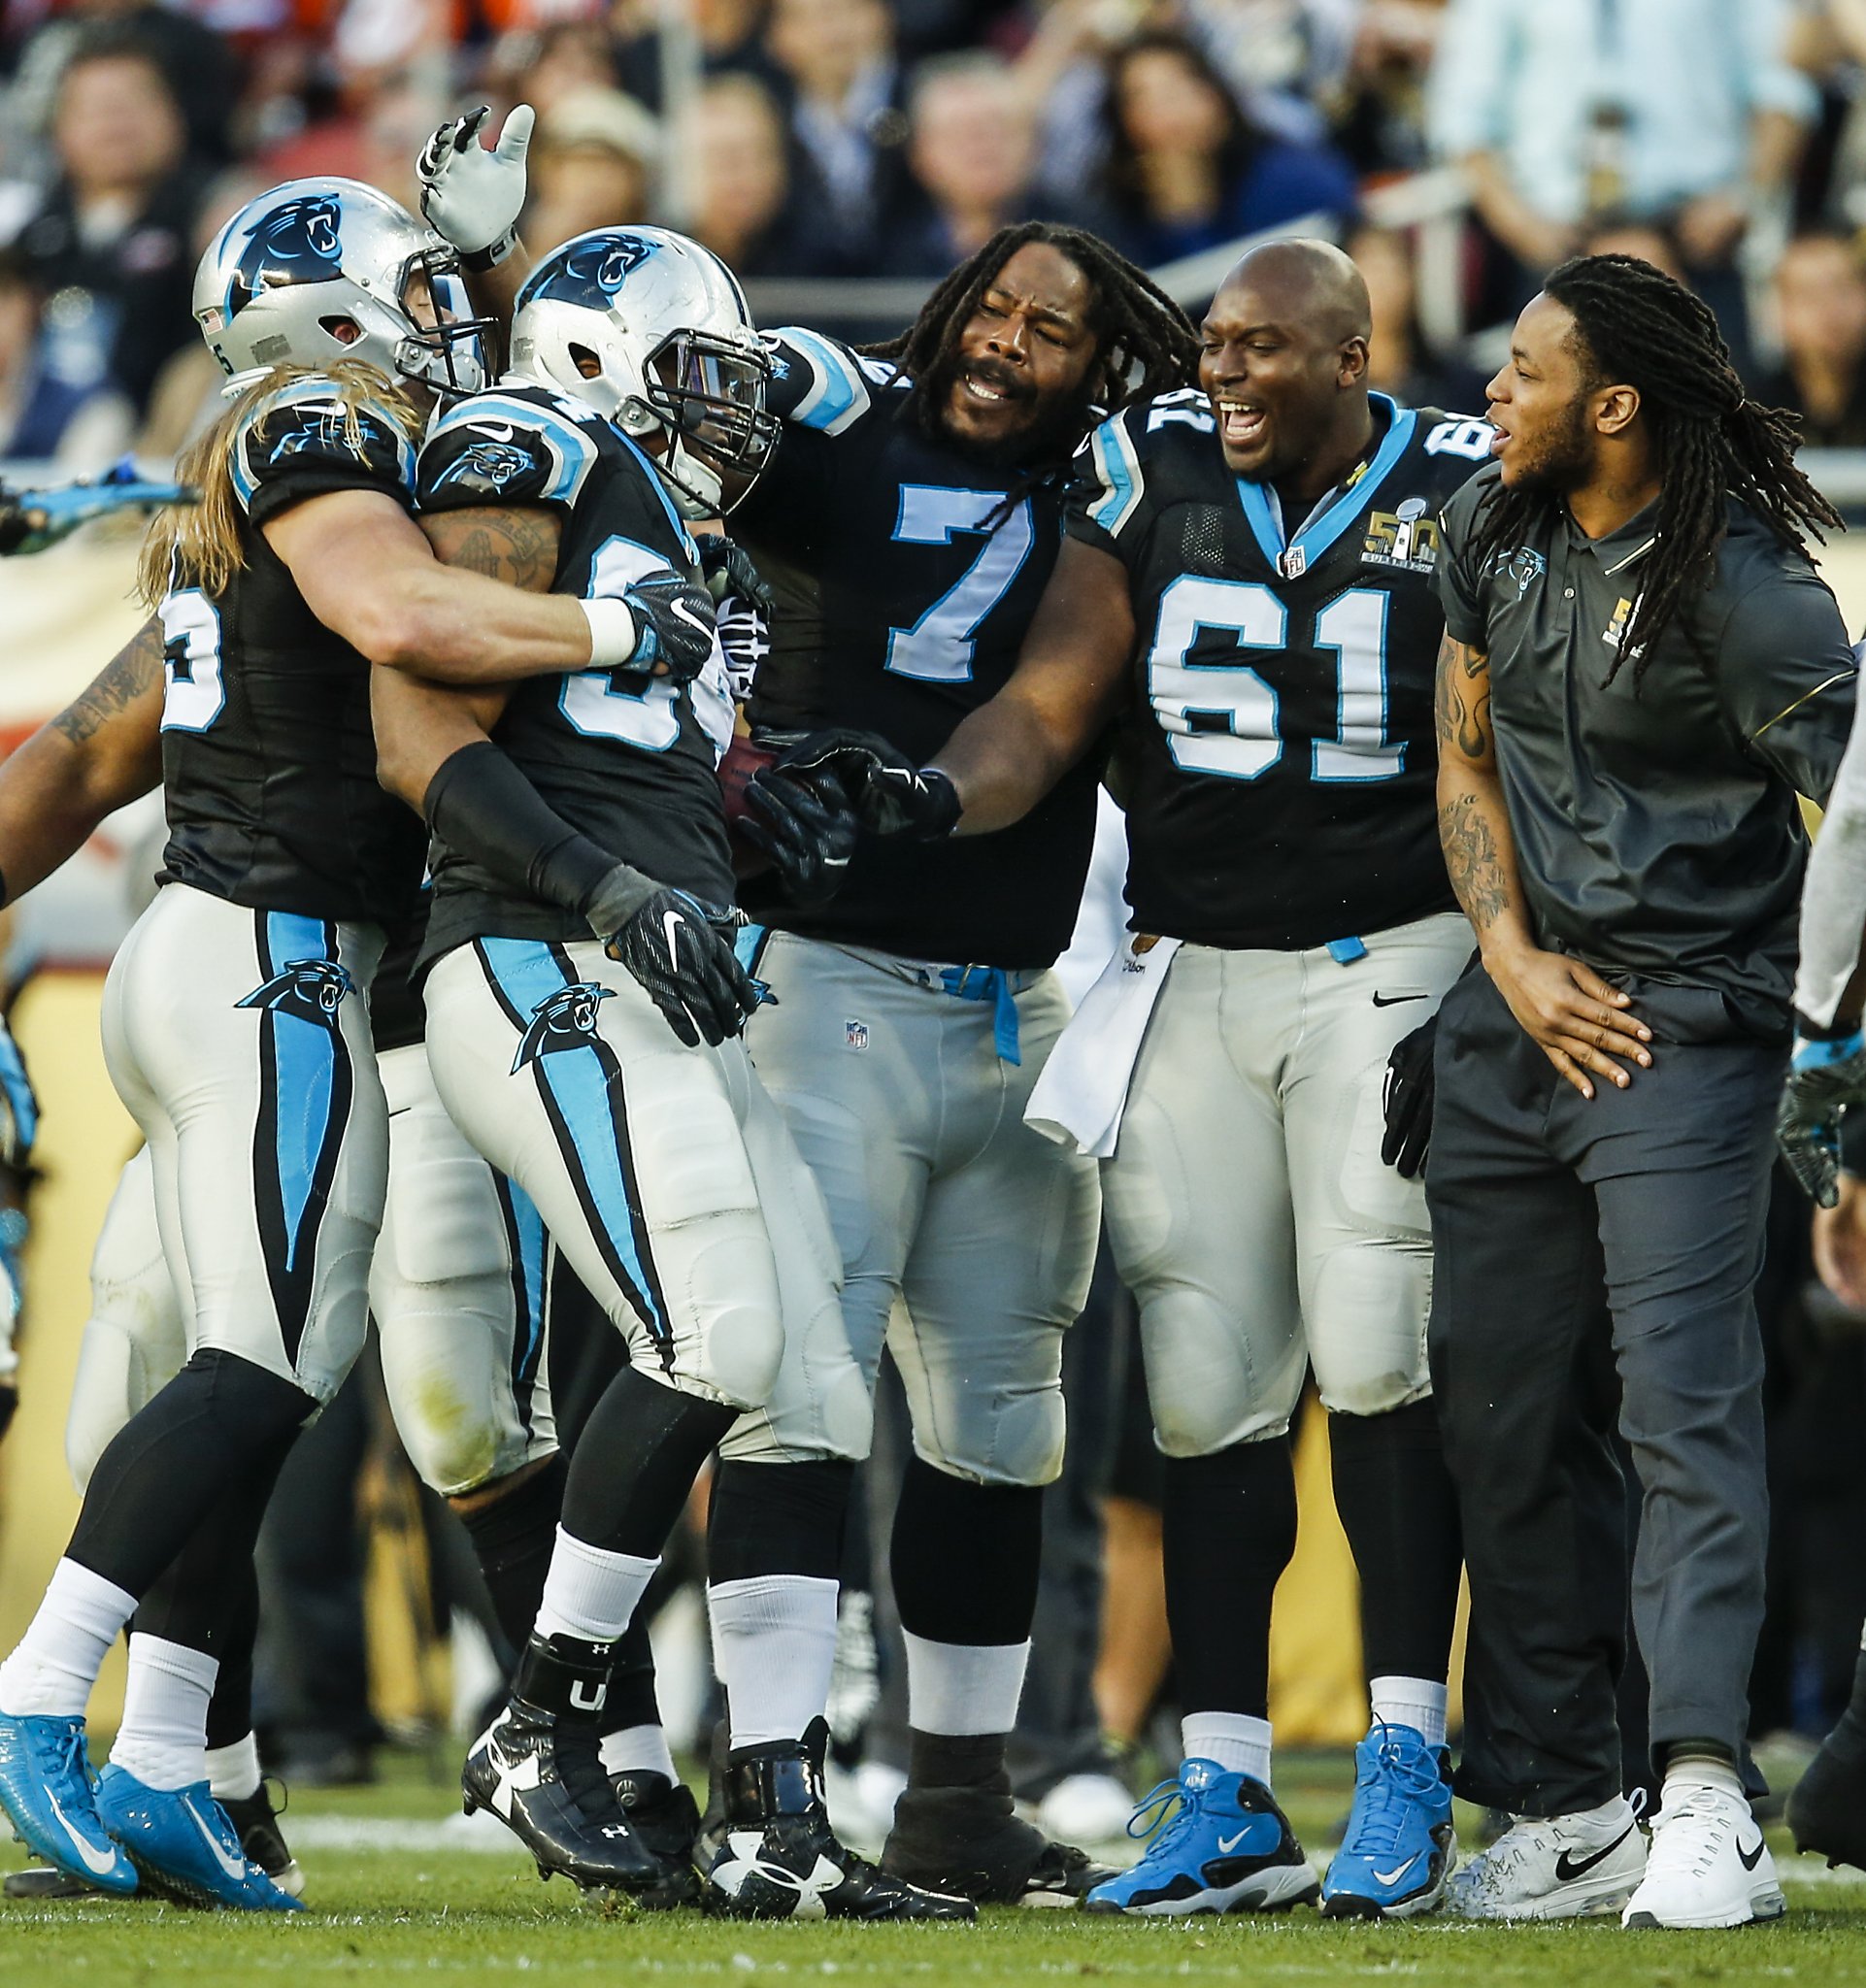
(708,395)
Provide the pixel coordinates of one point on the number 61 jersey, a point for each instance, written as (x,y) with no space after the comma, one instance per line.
(1279,754)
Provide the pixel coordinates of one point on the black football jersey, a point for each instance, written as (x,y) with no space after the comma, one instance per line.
(268,760)
(631,763)
(904,585)
(1280,755)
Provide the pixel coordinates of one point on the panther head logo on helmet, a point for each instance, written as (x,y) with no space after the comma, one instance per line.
(295,243)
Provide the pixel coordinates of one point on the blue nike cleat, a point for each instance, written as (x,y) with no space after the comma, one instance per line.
(1399,1850)
(1219,1844)
(48,1790)
(183,1844)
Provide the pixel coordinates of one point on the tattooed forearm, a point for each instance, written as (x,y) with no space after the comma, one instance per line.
(1463,700)
(519,547)
(1473,861)
(132,672)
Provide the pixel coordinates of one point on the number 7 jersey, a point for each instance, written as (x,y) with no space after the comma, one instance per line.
(1280,758)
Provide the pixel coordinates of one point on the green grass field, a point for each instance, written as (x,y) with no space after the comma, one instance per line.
(391,1895)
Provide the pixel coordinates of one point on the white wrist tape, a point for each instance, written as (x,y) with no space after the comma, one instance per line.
(612,632)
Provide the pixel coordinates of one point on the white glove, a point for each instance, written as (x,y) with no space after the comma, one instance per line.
(745,638)
(472,196)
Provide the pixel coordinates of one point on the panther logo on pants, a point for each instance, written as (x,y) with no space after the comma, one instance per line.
(563,1020)
(312,989)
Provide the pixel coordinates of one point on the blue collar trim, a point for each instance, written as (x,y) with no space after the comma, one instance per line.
(1316,538)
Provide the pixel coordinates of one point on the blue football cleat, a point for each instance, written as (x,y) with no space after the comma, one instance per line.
(1219,1844)
(183,1844)
(1399,1849)
(48,1790)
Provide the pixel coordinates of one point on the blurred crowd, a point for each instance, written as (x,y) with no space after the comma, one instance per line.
(817,138)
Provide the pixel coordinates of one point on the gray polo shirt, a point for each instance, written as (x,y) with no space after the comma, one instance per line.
(1655,820)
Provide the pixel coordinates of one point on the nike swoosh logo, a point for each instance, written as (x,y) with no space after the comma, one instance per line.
(1750,1859)
(686,614)
(498,431)
(1226,1844)
(1395,1876)
(1569,1867)
(234,1866)
(1395,1000)
(671,923)
(101,1862)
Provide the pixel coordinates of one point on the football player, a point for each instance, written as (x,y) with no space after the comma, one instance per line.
(231,1027)
(608,1078)
(906,525)
(1246,582)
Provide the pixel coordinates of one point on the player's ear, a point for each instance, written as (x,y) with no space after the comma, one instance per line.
(1615,408)
(1352,369)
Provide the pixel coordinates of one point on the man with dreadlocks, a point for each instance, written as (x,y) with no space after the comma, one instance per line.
(1248,584)
(1640,671)
(907,524)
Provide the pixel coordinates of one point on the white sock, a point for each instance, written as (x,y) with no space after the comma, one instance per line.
(1684,1772)
(1239,1741)
(163,1740)
(774,1647)
(1612,1814)
(233,1771)
(961,1689)
(638,1749)
(1415,1702)
(56,1663)
(590,1594)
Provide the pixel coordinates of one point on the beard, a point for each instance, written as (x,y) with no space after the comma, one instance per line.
(1563,460)
(1050,434)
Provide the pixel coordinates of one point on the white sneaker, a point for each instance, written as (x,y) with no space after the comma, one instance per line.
(1086,1808)
(1554,1866)
(1708,1867)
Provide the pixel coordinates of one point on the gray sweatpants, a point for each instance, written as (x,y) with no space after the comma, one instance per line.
(1586,1250)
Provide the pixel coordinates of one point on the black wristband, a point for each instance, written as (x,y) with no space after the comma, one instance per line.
(477,261)
(940,784)
(479,805)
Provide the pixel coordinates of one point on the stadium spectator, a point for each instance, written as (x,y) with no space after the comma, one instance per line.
(109,242)
(1820,318)
(971,149)
(1187,170)
(733,138)
(592,164)
(730,35)
(1399,361)
(844,84)
(43,418)
(564,60)
(1684,111)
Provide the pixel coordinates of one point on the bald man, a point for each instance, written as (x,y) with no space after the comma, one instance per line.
(1246,587)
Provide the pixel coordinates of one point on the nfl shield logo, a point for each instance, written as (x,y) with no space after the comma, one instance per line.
(1294,562)
(856,1034)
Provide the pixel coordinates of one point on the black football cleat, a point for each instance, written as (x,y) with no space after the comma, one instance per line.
(967,1838)
(539,1769)
(1828,1808)
(771,1853)
(255,1822)
(665,1819)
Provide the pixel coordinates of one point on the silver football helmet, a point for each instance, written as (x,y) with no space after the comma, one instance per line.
(652,331)
(321,270)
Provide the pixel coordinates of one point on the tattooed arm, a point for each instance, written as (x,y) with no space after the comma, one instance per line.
(99,753)
(1571,1012)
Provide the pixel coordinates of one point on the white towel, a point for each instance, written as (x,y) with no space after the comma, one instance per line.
(1083,1092)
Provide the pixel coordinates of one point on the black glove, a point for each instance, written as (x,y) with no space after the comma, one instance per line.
(1407,1099)
(889,794)
(730,569)
(673,626)
(1827,1080)
(808,830)
(680,952)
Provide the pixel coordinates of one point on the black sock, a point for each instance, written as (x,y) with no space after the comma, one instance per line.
(966,1557)
(635,1464)
(203,1454)
(1229,1531)
(778,1518)
(230,1708)
(1400,1511)
(631,1700)
(512,1536)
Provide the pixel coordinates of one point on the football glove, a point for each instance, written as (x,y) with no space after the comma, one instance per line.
(1407,1098)
(1824,1077)
(680,952)
(729,571)
(889,794)
(674,626)
(806,827)
(472,196)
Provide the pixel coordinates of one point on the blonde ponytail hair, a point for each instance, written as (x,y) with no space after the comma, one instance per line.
(198,544)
